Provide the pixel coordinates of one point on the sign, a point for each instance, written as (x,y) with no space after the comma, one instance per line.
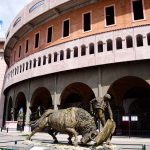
(134,118)
(11,124)
(125,118)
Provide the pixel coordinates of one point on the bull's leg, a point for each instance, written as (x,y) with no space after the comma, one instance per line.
(69,139)
(73,132)
(33,132)
(51,132)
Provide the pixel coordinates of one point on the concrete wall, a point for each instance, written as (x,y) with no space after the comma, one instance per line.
(99,79)
(2,73)
(123,14)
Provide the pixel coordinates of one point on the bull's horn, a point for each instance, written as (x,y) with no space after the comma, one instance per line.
(106,132)
(93,134)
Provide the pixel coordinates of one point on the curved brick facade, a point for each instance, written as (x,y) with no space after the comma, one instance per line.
(69,48)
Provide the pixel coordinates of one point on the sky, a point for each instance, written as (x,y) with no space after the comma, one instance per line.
(8,11)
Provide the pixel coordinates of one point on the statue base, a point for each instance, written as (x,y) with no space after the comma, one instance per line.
(30,145)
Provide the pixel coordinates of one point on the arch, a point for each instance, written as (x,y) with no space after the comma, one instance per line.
(39,61)
(148,39)
(41,98)
(109,45)
(49,58)
(129,41)
(9,109)
(55,57)
(124,92)
(83,50)
(140,107)
(91,48)
(17,69)
(61,55)
(44,60)
(75,51)
(139,40)
(34,63)
(100,46)
(68,54)
(118,43)
(20,109)
(77,94)
(20,68)
(30,64)
(121,86)
(26,65)
(23,67)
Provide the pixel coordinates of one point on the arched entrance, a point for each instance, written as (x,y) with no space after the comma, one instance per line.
(78,95)
(20,110)
(131,98)
(9,110)
(40,101)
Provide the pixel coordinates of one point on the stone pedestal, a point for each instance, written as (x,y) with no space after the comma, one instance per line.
(12,125)
(26,145)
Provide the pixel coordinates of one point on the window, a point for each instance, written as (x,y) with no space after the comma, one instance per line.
(36,40)
(49,34)
(139,40)
(87,22)
(30,64)
(68,53)
(17,21)
(44,60)
(110,15)
(35,6)
(26,65)
(39,61)
(17,70)
(55,57)
(19,51)
(119,43)
(129,42)
(137,9)
(34,63)
(27,45)
(49,58)
(100,46)
(148,38)
(61,55)
(91,48)
(23,67)
(109,45)
(83,50)
(66,28)
(75,51)
(20,68)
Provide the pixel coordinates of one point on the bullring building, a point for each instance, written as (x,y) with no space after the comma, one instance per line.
(63,53)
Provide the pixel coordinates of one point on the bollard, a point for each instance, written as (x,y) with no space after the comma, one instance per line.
(1,129)
(15,142)
(144,147)
(7,130)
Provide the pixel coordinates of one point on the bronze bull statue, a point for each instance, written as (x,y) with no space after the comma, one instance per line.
(73,121)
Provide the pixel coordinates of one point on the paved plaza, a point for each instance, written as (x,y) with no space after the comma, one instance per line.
(14,137)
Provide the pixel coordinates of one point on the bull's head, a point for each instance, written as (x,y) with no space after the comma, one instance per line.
(87,137)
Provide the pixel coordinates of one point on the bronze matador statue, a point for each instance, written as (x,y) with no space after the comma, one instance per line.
(99,106)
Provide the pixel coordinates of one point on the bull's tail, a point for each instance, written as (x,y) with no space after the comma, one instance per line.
(34,123)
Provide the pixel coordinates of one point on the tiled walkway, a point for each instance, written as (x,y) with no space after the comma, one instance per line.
(121,142)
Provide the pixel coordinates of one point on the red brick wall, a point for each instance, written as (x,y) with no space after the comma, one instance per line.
(123,20)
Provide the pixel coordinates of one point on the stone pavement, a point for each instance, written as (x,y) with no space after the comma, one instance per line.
(14,137)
